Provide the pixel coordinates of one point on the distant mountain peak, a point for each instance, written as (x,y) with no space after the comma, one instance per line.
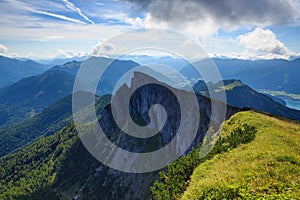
(241,95)
(13,70)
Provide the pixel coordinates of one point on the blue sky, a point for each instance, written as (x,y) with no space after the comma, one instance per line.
(261,29)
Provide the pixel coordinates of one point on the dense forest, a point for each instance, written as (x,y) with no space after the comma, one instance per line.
(53,165)
(46,163)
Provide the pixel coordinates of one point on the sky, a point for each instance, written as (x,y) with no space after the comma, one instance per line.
(44,29)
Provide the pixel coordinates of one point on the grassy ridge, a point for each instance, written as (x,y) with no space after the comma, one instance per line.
(173,183)
(266,168)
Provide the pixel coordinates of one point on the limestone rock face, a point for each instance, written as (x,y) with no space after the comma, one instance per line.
(136,186)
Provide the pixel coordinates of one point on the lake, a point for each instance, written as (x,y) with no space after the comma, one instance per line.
(292,103)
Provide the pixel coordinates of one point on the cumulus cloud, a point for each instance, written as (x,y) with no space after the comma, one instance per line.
(70,54)
(206,17)
(3,49)
(264,41)
(106,48)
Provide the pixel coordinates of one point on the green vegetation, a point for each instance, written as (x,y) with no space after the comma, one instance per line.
(242,96)
(32,95)
(266,168)
(229,86)
(35,166)
(257,156)
(281,94)
(52,167)
(46,123)
(259,160)
(173,183)
(49,121)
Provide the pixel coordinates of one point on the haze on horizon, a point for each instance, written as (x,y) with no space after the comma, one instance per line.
(260,29)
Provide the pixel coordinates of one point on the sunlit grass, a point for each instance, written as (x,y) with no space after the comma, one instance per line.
(268,167)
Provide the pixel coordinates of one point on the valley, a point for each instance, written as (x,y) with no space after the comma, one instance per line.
(292,100)
(149,100)
(42,155)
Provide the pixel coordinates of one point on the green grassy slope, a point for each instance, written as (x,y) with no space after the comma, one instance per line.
(266,168)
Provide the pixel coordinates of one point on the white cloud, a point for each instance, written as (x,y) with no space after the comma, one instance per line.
(72,7)
(23,10)
(63,32)
(252,55)
(264,41)
(202,28)
(3,49)
(106,48)
(193,18)
(136,22)
(70,54)
(59,16)
(204,18)
(263,44)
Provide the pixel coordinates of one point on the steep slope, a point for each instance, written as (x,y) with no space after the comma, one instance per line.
(282,76)
(279,75)
(46,123)
(267,168)
(13,70)
(38,90)
(111,75)
(49,121)
(35,166)
(70,67)
(242,96)
(39,164)
(60,166)
(31,95)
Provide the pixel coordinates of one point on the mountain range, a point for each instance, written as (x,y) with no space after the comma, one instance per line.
(31,95)
(276,74)
(13,70)
(242,96)
(59,167)
(42,156)
(56,159)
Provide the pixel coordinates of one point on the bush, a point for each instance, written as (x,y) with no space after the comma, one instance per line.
(173,183)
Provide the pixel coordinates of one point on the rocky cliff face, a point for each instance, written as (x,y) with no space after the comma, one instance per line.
(136,186)
(150,94)
(107,183)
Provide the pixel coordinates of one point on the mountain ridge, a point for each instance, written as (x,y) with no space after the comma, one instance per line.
(13,70)
(276,172)
(240,95)
(57,159)
(276,74)
(31,95)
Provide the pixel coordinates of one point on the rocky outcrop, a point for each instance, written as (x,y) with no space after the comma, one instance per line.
(61,166)
(137,186)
